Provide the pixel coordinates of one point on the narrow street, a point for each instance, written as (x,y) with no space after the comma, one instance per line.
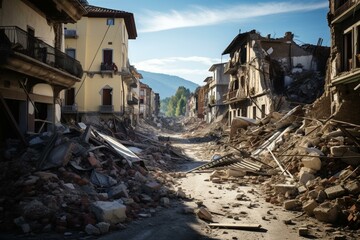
(237,201)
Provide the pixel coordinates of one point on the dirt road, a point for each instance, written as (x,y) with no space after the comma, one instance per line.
(220,200)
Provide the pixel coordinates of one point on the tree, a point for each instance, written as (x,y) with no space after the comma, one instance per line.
(176,105)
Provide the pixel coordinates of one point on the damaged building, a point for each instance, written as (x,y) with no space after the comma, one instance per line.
(344,68)
(33,65)
(268,74)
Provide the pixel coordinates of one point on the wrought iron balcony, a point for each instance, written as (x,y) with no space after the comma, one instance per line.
(14,39)
(106,108)
(69,109)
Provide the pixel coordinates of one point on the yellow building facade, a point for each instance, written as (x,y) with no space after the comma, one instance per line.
(100,42)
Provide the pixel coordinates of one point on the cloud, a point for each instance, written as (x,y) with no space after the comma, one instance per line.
(153,21)
(193,68)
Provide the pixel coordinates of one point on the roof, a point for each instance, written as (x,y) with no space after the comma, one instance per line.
(239,39)
(208,79)
(94,11)
(212,68)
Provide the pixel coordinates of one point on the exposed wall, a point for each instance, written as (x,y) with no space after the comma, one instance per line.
(10,16)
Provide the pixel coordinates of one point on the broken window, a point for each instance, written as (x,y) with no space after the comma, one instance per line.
(351,48)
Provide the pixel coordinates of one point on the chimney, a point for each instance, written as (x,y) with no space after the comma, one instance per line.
(289,36)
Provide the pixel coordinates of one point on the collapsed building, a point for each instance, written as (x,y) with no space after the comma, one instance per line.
(268,74)
(343,81)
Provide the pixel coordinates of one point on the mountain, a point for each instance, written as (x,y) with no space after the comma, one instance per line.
(166,85)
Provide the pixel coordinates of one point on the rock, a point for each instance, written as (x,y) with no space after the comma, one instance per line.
(321,197)
(283,188)
(303,231)
(235,173)
(110,212)
(309,207)
(92,230)
(204,214)
(313,194)
(353,187)
(216,180)
(302,189)
(313,161)
(35,210)
(139,177)
(335,191)
(152,186)
(326,212)
(103,227)
(118,191)
(20,222)
(305,176)
(292,204)
(180,193)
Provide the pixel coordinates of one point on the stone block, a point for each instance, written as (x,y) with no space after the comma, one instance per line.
(103,227)
(118,191)
(110,212)
(353,187)
(305,176)
(313,194)
(309,207)
(321,197)
(326,212)
(92,230)
(283,188)
(312,162)
(152,186)
(292,204)
(302,189)
(335,191)
(235,173)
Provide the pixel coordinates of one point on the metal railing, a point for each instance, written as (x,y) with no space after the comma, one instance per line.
(15,39)
(106,108)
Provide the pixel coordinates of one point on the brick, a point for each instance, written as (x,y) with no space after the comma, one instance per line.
(353,187)
(292,204)
(309,207)
(326,212)
(110,212)
(118,191)
(335,191)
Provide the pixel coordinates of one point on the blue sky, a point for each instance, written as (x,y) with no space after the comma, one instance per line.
(184,38)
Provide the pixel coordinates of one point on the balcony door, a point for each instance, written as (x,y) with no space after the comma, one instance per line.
(70,96)
(108,56)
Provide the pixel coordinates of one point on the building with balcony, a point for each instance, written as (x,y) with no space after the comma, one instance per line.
(145,105)
(217,88)
(100,42)
(344,69)
(33,65)
(268,74)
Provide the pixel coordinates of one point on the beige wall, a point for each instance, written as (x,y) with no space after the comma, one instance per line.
(93,37)
(10,16)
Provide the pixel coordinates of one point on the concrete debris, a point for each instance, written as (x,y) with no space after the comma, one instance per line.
(86,179)
(204,214)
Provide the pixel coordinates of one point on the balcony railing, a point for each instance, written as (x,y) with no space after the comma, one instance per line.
(18,40)
(106,108)
(236,94)
(345,6)
(132,100)
(69,109)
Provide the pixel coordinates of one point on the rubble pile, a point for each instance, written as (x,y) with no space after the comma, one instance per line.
(315,163)
(83,179)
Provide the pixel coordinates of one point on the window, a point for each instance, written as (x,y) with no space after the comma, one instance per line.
(141,92)
(254,112)
(141,101)
(110,21)
(108,56)
(71,52)
(263,111)
(351,48)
